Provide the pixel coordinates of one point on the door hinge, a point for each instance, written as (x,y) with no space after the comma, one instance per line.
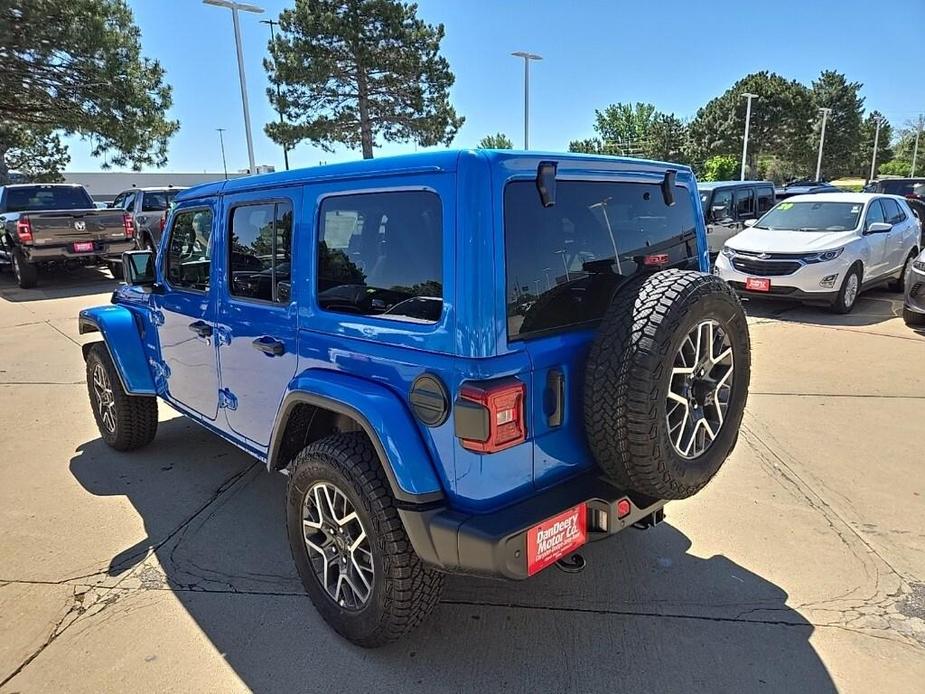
(227,399)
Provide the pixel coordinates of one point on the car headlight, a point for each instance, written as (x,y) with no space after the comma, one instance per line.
(823,256)
(919,265)
(728,252)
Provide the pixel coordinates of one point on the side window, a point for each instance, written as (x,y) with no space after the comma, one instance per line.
(189,250)
(745,203)
(892,211)
(765,200)
(260,248)
(382,254)
(874,214)
(721,209)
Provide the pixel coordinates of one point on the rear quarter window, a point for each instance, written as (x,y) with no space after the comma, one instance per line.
(563,263)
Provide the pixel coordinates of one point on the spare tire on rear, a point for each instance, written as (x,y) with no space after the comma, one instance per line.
(666,383)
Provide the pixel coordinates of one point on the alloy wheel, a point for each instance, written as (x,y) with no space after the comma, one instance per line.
(104,400)
(338,546)
(17,271)
(700,388)
(851,290)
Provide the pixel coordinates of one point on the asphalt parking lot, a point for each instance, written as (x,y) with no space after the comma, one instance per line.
(800,568)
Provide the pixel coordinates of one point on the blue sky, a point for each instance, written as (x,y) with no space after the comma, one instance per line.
(677,55)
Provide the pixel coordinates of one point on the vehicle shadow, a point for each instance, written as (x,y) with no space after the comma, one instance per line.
(645,615)
(872,308)
(58,284)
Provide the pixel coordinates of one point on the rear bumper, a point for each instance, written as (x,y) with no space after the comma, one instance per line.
(495,544)
(102,250)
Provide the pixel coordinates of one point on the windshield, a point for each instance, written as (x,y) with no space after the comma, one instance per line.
(812,216)
(564,262)
(36,198)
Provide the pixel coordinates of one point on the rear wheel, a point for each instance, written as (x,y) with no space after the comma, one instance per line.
(350,547)
(125,422)
(667,382)
(848,294)
(899,284)
(27,274)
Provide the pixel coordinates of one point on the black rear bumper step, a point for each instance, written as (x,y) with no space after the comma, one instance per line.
(494,544)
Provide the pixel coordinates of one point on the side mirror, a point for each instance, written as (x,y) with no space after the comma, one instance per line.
(750,222)
(878,228)
(138,268)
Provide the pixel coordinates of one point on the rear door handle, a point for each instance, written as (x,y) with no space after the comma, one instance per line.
(269,345)
(201,328)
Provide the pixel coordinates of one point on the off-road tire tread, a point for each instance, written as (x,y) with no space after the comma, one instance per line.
(136,415)
(625,365)
(412,589)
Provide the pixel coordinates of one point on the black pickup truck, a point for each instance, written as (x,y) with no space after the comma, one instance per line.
(55,224)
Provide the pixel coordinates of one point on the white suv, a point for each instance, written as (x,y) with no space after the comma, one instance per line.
(825,247)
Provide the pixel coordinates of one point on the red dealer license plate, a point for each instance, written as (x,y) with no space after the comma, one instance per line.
(555,537)
(758,284)
(83,246)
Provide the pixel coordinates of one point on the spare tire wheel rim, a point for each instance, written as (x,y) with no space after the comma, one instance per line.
(700,389)
(338,546)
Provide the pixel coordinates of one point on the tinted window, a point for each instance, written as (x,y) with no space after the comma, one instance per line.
(812,216)
(900,186)
(260,250)
(157,201)
(564,262)
(721,207)
(26,198)
(189,250)
(379,250)
(874,214)
(892,211)
(745,203)
(765,200)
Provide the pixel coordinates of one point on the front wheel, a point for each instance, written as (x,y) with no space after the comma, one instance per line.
(125,422)
(848,294)
(350,547)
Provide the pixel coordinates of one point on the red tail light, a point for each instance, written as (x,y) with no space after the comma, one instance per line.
(490,416)
(163,221)
(24,230)
(127,226)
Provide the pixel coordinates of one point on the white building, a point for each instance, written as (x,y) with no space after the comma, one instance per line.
(105,185)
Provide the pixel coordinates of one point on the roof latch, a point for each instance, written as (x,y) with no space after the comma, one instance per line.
(668,186)
(546,182)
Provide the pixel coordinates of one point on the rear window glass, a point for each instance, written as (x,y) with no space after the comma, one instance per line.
(902,186)
(157,201)
(34,198)
(564,262)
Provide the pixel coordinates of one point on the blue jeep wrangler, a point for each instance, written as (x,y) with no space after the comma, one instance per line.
(466,362)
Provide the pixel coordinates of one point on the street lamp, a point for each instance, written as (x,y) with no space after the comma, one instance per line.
(915,151)
(527,58)
(825,117)
(873,159)
(244,7)
(748,118)
(272,24)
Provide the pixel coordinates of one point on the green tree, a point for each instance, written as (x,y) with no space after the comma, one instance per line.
(354,71)
(843,128)
(865,147)
(895,167)
(635,130)
(75,66)
(780,121)
(39,156)
(498,141)
(722,167)
(666,138)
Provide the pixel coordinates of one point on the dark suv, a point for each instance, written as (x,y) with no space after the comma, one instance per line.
(913,189)
(466,362)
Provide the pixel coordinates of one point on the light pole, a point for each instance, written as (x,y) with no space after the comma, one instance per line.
(272,24)
(915,151)
(825,117)
(748,118)
(244,7)
(561,254)
(873,158)
(221,142)
(527,58)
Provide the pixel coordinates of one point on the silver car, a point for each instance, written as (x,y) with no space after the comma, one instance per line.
(914,303)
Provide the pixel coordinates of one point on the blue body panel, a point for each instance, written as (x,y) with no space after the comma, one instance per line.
(121,334)
(367,364)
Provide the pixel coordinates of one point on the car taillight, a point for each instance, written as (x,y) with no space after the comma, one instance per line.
(24,230)
(489,417)
(127,225)
(163,221)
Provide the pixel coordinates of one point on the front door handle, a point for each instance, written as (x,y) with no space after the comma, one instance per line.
(269,345)
(201,328)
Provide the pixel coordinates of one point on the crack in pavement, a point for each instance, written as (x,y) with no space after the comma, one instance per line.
(873,396)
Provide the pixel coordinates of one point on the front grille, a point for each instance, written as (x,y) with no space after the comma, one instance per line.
(765,268)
